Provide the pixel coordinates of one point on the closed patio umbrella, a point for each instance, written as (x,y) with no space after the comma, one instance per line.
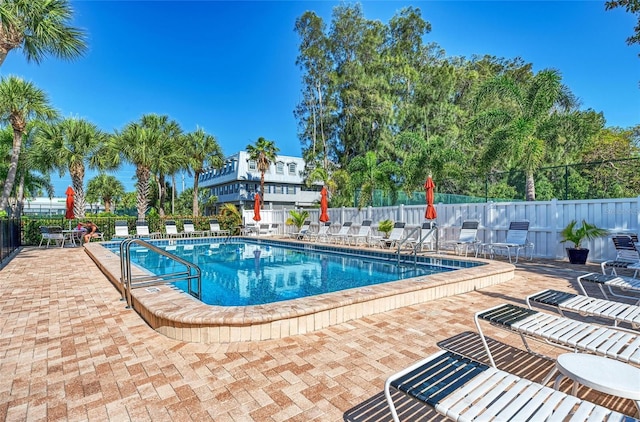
(324,204)
(69,215)
(256,208)
(430,213)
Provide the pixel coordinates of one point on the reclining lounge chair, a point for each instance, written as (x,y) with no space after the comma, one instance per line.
(561,332)
(465,390)
(515,242)
(588,306)
(611,282)
(468,238)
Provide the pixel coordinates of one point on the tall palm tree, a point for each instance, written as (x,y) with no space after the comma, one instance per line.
(263,152)
(20,102)
(517,118)
(203,151)
(105,187)
(32,179)
(169,157)
(39,28)
(144,144)
(134,145)
(70,145)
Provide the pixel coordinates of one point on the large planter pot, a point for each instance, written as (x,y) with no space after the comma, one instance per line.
(577,256)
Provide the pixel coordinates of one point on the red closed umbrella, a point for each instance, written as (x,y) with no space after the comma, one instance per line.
(69,215)
(430,213)
(256,208)
(324,204)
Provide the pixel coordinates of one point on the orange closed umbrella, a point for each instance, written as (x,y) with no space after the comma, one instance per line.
(69,215)
(256,208)
(430,213)
(324,204)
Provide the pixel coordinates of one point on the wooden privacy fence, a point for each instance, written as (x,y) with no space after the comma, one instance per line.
(546,218)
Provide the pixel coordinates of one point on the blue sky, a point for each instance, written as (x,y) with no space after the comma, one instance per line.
(229,66)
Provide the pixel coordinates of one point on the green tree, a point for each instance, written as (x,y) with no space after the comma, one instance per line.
(136,145)
(631,6)
(39,28)
(105,187)
(263,152)
(20,102)
(516,116)
(202,151)
(168,151)
(70,145)
(368,175)
(32,179)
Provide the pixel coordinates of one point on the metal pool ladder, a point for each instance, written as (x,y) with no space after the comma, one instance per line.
(191,273)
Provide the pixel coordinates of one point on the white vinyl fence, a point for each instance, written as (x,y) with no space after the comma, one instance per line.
(546,218)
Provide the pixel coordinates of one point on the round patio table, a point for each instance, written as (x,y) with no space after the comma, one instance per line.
(600,373)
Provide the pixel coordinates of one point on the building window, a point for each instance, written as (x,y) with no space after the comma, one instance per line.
(292,168)
(278,189)
(253,166)
(279,167)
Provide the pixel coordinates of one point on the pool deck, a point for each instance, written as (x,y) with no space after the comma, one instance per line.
(70,350)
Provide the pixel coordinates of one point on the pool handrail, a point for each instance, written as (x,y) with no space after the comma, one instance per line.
(129,282)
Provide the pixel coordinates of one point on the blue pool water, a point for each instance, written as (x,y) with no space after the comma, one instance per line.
(247,273)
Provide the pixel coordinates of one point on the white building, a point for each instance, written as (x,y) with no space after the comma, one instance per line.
(239,179)
(44,206)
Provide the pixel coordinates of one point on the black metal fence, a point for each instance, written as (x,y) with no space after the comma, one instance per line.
(594,180)
(10,239)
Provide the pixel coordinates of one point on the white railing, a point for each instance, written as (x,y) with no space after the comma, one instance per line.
(547,219)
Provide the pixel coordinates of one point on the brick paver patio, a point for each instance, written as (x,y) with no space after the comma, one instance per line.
(69,350)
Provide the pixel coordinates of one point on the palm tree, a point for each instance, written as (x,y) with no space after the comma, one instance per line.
(202,151)
(145,145)
(168,153)
(20,102)
(518,116)
(264,153)
(105,187)
(32,178)
(39,28)
(134,145)
(69,145)
(368,174)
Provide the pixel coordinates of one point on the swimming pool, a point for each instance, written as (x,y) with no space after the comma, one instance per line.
(179,316)
(241,273)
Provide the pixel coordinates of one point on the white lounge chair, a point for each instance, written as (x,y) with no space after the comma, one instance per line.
(342,234)
(627,254)
(428,237)
(215,230)
(268,229)
(462,389)
(142,230)
(516,241)
(363,234)
(121,230)
(323,232)
(617,312)
(171,229)
(562,332)
(396,235)
(467,240)
(303,232)
(190,230)
(619,283)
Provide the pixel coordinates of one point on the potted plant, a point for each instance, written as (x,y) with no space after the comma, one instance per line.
(576,235)
(297,218)
(385,226)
